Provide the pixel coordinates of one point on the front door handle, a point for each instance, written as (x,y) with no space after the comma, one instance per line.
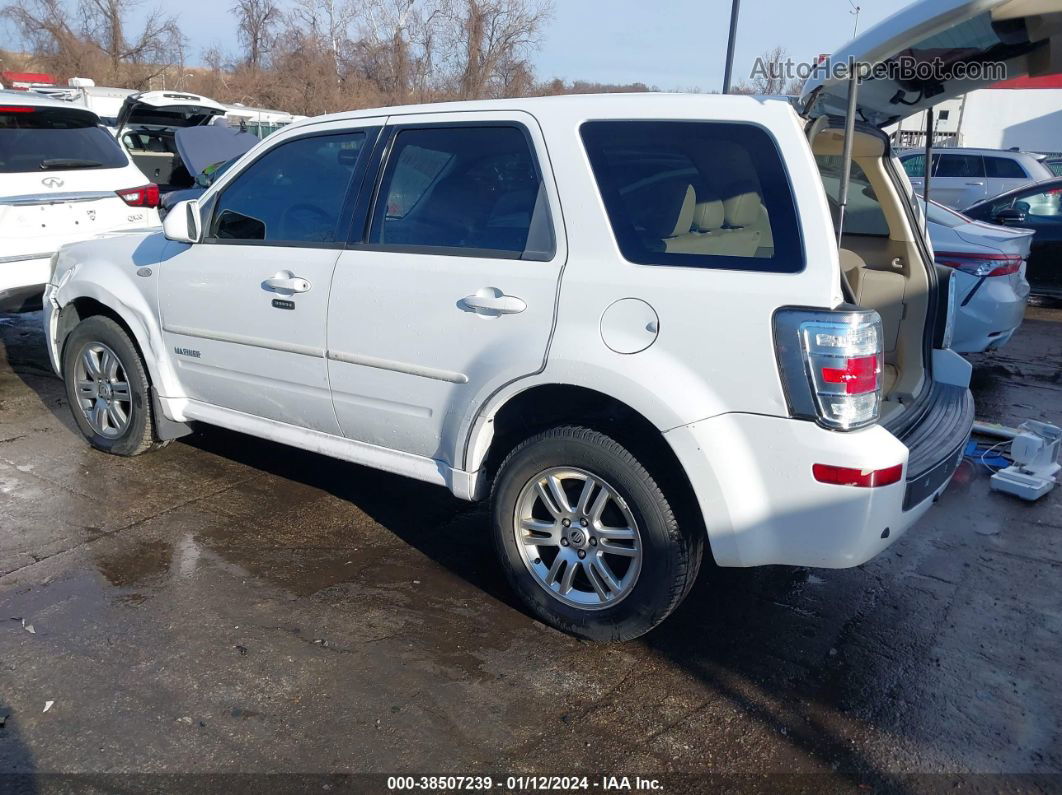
(287,283)
(490,302)
(975,184)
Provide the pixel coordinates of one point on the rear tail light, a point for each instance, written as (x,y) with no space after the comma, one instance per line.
(16,109)
(830,363)
(986,264)
(145,196)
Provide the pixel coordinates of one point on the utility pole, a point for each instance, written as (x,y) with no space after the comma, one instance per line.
(855,10)
(728,71)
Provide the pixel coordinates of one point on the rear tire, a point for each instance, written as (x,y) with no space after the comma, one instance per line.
(587,538)
(108,388)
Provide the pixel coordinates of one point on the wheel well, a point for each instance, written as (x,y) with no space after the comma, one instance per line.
(543,407)
(81,309)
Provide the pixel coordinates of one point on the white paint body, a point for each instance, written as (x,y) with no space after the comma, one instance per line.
(381,366)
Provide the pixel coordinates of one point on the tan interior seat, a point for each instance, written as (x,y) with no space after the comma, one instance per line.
(708,232)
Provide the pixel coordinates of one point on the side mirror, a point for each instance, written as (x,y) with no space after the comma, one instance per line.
(1010,216)
(181,223)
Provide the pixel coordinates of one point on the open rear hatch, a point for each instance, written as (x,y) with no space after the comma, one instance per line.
(928,52)
(935,50)
(146,126)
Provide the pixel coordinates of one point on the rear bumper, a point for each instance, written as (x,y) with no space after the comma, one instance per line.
(22,282)
(936,440)
(989,311)
(752,476)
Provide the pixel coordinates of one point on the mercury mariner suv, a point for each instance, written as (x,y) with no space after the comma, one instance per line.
(625,319)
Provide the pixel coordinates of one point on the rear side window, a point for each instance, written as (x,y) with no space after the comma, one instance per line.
(293,194)
(915,166)
(54,139)
(959,166)
(695,194)
(1004,168)
(474,191)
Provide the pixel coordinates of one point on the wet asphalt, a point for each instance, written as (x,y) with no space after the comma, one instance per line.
(231,605)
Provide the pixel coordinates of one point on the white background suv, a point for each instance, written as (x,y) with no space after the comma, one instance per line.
(625,319)
(963,177)
(63,178)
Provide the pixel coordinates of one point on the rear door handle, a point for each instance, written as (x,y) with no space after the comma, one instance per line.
(975,184)
(491,301)
(286,282)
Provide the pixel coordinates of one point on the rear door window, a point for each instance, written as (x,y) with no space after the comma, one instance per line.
(959,166)
(475,191)
(42,139)
(1004,168)
(294,194)
(695,194)
(915,166)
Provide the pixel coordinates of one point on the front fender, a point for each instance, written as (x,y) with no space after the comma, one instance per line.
(121,273)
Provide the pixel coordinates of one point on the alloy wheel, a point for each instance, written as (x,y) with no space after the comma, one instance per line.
(102,389)
(578,538)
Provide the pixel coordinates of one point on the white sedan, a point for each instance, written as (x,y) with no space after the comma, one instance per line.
(989,274)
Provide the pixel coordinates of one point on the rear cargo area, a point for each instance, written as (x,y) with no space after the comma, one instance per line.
(881,264)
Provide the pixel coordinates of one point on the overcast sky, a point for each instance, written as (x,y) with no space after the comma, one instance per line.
(672,44)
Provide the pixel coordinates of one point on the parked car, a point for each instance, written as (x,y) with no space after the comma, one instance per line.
(64,178)
(644,340)
(989,275)
(962,177)
(1037,207)
(207,152)
(146,126)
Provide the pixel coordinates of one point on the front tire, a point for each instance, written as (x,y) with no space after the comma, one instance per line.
(587,538)
(107,387)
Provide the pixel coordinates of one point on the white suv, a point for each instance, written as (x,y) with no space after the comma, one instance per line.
(63,178)
(964,177)
(624,318)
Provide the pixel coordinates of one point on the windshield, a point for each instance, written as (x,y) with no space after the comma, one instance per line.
(54,139)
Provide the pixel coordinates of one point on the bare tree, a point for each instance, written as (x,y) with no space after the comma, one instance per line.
(46,31)
(99,42)
(494,34)
(396,47)
(768,73)
(328,22)
(159,45)
(257,21)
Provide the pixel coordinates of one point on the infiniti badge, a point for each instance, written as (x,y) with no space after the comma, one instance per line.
(52,182)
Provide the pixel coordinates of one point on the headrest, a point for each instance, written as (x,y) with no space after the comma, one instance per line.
(742,209)
(709,215)
(685,217)
(670,211)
